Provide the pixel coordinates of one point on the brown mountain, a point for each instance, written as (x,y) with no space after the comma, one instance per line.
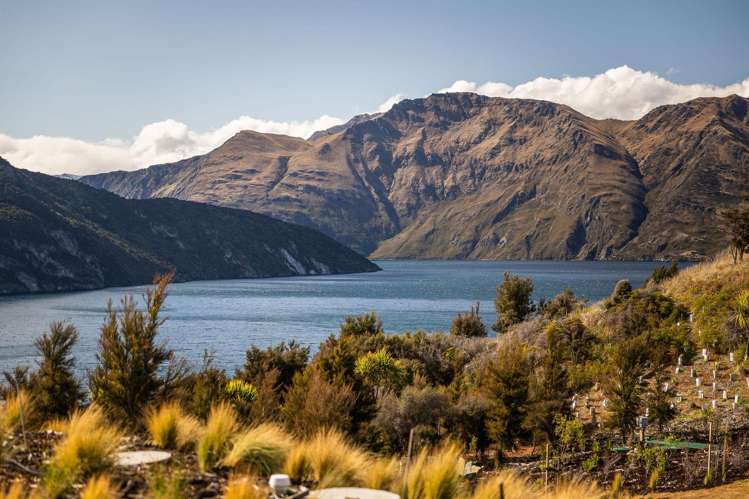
(468,176)
(60,235)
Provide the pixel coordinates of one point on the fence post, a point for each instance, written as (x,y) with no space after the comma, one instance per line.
(501,490)
(410,449)
(546,469)
(725,449)
(709,446)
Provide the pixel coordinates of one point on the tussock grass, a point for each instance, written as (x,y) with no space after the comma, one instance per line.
(18,490)
(244,488)
(171,428)
(383,474)
(88,448)
(16,412)
(435,476)
(329,460)
(575,489)
(99,487)
(262,449)
(216,438)
(514,485)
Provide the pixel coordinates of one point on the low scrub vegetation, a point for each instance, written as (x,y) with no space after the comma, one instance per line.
(563,381)
(87,448)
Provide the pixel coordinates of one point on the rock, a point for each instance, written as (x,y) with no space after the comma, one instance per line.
(140,457)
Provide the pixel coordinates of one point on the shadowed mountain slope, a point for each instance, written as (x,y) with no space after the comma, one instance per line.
(60,235)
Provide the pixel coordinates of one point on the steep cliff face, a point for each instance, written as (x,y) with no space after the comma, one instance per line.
(468,176)
(60,235)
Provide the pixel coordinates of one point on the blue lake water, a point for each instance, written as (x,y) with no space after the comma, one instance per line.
(226,317)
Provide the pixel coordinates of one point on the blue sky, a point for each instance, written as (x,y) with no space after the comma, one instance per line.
(98,70)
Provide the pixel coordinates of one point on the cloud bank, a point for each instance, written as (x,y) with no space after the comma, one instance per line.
(162,142)
(622,93)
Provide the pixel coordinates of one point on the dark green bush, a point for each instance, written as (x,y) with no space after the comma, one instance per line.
(54,387)
(513,302)
(468,324)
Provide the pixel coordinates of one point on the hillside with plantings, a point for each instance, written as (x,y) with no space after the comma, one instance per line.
(644,391)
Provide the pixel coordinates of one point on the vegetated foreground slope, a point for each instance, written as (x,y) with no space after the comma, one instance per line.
(468,176)
(60,235)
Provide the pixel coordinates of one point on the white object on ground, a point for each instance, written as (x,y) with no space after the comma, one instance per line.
(279,483)
(138,457)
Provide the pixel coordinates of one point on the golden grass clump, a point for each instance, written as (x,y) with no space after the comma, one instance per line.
(262,449)
(99,487)
(435,476)
(327,459)
(16,412)
(244,488)
(574,489)
(88,448)
(383,474)
(18,490)
(171,428)
(514,486)
(217,435)
(166,484)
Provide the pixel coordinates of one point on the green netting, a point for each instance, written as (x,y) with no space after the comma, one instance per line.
(667,444)
(676,444)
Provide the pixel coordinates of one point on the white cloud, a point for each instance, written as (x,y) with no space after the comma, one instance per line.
(390,102)
(162,142)
(622,92)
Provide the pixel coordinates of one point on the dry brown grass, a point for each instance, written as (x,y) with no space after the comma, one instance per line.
(88,448)
(217,436)
(713,276)
(171,428)
(16,412)
(99,487)
(327,459)
(244,488)
(383,474)
(514,485)
(262,449)
(436,475)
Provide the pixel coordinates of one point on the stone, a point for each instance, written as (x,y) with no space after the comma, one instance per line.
(139,457)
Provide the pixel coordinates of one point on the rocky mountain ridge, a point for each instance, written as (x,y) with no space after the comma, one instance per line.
(474,177)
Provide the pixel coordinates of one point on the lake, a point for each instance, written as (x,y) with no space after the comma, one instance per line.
(226,317)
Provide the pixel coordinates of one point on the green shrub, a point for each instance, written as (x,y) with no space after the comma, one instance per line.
(285,359)
(133,370)
(313,403)
(513,302)
(54,387)
(381,371)
(468,324)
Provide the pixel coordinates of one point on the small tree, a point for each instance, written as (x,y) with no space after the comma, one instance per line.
(659,402)
(54,387)
(626,384)
(468,324)
(505,383)
(362,325)
(740,318)
(513,302)
(286,359)
(736,221)
(134,370)
(381,371)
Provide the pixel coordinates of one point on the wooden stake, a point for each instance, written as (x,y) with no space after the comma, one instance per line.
(709,445)
(501,490)
(546,470)
(725,448)
(410,449)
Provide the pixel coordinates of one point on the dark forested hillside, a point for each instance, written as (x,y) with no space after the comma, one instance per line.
(60,235)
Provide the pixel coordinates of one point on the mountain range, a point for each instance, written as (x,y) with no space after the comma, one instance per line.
(60,235)
(465,176)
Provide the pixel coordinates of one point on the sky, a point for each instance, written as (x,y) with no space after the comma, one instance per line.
(98,86)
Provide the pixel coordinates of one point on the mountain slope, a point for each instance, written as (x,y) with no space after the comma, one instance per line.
(62,235)
(468,176)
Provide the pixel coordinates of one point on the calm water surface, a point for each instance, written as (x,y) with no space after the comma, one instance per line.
(228,316)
